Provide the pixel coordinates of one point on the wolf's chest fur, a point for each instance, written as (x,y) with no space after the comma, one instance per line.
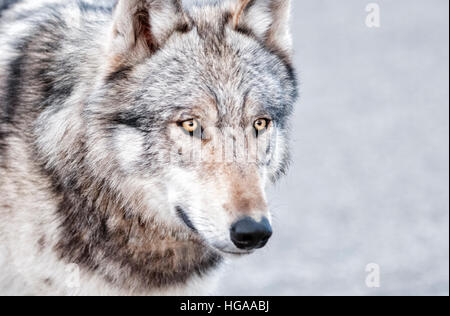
(92,199)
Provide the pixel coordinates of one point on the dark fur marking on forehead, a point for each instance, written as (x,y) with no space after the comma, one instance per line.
(127,119)
(183,28)
(227,18)
(143,122)
(246,31)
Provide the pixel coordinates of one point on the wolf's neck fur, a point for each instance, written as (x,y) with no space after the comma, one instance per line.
(105,234)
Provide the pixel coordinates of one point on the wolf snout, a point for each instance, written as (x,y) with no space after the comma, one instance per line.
(248,234)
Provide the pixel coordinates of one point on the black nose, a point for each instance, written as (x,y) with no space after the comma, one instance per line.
(248,234)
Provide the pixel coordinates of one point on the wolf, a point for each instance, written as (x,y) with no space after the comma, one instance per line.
(121,127)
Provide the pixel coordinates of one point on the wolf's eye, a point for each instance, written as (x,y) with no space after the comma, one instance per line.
(261,125)
(190,126)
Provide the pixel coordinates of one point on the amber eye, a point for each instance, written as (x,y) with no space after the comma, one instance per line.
(190,126)
(261,125)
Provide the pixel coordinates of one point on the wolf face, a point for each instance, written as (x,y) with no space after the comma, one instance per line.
(195,103)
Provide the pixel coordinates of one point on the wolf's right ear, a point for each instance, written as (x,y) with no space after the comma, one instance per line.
(140,27)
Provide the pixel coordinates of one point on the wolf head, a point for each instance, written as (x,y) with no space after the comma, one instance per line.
(194,100)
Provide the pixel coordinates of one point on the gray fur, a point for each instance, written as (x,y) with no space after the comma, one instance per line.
(93,167)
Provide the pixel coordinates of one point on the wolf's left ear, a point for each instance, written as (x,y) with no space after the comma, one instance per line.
(140,27)
(268,20)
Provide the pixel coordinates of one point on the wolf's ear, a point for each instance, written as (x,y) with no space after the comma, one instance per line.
(140,27)
(268,20)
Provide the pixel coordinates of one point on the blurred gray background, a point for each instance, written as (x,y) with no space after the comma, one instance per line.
(370,176)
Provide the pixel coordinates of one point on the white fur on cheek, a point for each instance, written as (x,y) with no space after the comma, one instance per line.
(129,145)
(203,203)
